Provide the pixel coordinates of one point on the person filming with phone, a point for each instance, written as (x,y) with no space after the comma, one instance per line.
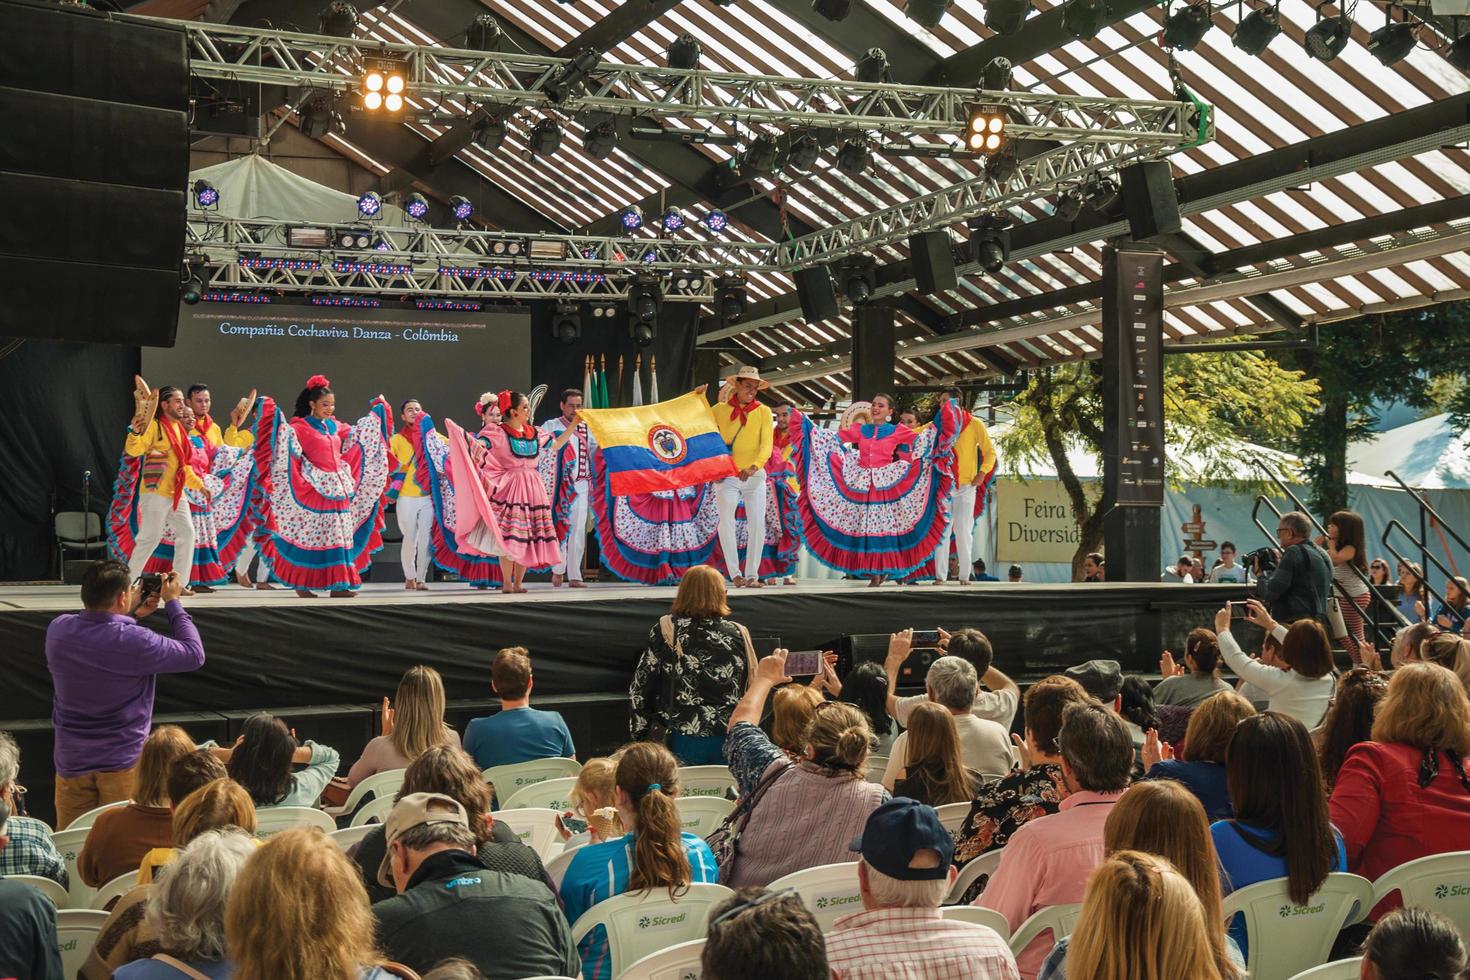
(1298,587)
(104,669)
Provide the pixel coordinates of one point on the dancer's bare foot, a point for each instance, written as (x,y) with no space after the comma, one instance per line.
(202,589)
(242,579)
(873,583)
(420,587)
(306,593)
(576,584)
(555,580)
(343,594)
(408,585)
(188,592)
(788,580)
(754,583)
(264,586)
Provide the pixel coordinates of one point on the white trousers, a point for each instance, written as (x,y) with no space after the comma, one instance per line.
(416,524)
(962,527)
(575,546)
(246,556)
(156,511)
(729,494)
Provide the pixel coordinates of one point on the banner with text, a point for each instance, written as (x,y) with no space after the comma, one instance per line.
(1034,521)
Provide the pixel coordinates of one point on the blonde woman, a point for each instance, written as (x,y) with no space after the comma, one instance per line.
(412,721)
(933,771)
(122,835)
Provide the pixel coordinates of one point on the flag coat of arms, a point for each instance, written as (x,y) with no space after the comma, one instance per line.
(663,446)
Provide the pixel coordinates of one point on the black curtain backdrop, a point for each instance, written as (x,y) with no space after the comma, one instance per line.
(68,404)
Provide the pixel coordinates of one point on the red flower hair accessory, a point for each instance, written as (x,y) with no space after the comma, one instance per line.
(318,381)
(505,397)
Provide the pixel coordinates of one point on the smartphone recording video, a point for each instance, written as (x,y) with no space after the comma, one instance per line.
(1237,610)
(800,663)
(926,639)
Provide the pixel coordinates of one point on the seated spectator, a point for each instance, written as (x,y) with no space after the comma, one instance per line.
(655,853)
(1200,762)
(1137,709)
(29,850)
(1449,651)
(803,813)
(412,721)
(1101,679)
(1164,820)
(792,706)
(985,746)
(448,903)
(1270,657)
(454,969)
(1197,678)
(866,686)
(1303,687)
(1048,860)
(1406,794)
(1349,718)
(758,933)
(997,703)
(298,910)
(1015,573)
(261,761)
(594,800)
(933,772)
(1092,567)
(518,732)
(1140,918)
(904,875)
(186,910)
(122,835)
(28,945)
(189,772)
(1036,789)
(1181,571)
(1414,944)
(447,771)
(1451,613)
(980,572)
(217,804)
(712,661)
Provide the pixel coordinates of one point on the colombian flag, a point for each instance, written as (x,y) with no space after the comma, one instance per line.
(664,446)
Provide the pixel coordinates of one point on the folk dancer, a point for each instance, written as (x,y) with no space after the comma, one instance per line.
(748,428)
(974,456)
(576,458)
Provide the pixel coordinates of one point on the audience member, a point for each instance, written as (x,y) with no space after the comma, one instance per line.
(189,772)
(1297,588)
(1413,592)
(412,721)
(1197,678)
(759,933)
(261,761)
(29,850)
(1408,644)
(801,814)
(1164,820)
(1406,794)
(1227,570)
(1048,860)
(933,771)
(1101,679)
(1181,571)
(1378,574)
(1302,687)
(1449,651)
(1450,614)
(1015,574)
(1414,944)
(1092,565)
(903,875)
(792,707)
(454,968)
(981,574)
(518,732)
(691,675)
(1270,657)
(594,800)
(449,903)
(28,947)
(1140,920)
(1349,718)
(123,834)
(653,854)
(984,745)
(103,670)
(298,910)
(186,910)
(1200,761)
(217,804)
(1136,708)
(997,703)
(866,686)
(446,770)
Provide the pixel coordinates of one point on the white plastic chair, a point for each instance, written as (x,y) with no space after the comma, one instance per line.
(86,820)
(509,780)
(700,815)
(536,827)
(1285,938)
(876,765)
(681,962)
(114,889)
(979,916)
(386,783)
(374,812)
(829,891)
(952,816)
(1058,920)
(556,868)
(348,836)
(639,924)
(51,889)
(1438,882)
(274,819)
(76,934)
(551,794)
(706,780)
(1336,970)
(982,866)
(69,843)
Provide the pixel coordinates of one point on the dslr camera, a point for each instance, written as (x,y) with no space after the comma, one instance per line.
(1266,557)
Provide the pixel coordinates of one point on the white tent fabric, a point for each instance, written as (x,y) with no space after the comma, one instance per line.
(253,187)
(1428,454)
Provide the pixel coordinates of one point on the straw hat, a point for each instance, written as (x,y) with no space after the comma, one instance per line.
(747,371)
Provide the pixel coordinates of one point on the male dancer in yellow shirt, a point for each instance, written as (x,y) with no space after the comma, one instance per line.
(974,455)
(748,428)
(163,442)
(415,503)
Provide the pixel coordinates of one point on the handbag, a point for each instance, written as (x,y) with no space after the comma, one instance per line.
(1334,618)
(724,840)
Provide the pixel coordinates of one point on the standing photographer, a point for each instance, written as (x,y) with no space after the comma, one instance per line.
(103,667)
(1298,587)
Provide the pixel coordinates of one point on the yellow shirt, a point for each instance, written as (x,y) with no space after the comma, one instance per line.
(750,444)
(974,452)
(154,443)
(239,438)
(403,452)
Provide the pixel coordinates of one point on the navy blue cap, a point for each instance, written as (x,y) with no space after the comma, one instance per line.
(898,830)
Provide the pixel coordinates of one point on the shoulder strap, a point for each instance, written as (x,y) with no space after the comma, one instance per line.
(181,966)
(666,625)
(749,655)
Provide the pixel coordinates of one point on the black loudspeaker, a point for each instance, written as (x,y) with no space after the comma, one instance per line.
(933,262)
(1149,201)
(873,343)
(94,170)
(856,648)
(818,296)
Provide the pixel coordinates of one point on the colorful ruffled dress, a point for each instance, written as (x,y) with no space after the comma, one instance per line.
(517,494)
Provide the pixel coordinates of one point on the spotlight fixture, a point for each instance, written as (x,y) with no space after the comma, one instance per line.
(206,195)
(759,157)
(1327,38)
(601,311)
(382,86)
(1082,19)
(1068,206)
(370,204)
(337,19)
(630,218)
(833,10)
(319,116)
(545,138)
(599,141)
(645,300)
(672,220)
(803,151)
(353,238)
(927,13)
(1391,43)
(872,66)
(1002,166)
(1006,16)
(489,134)
(996,75)
(484,33)
(191,284)
(990,242)
(461,208)
(857,277)
(716,221)
(1101,194)
(985,131)
(1256,30)
(730,298)
(684,52)
(569,77)
(687,283)
(854,157)
(566,323)
(1458,53)
(1185,28)
(416,206)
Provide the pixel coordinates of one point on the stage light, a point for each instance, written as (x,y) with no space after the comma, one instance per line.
(684,52)
(545,138)
(455,305)
(687,283)
(927,12)
(602,311)
(319,116)
(338,19)
(996,75)
(1458,53)
(854,157)
(985,129)
(990,242)
(370,204)
(392,102)
(672,220)
(649,257)
(857,277)
(1101,194)
(1002,166)
(630,218)
(484,33)
(354,237)
(1068,205)
(1257,30)
(833,10)
(395,84)
(461,208)
(191,288)
(1082,19)
(645,300)
(759,157)
(566,324)
(373,81)
(206,195)
(416,206)
(568,79)
(367,302)
(716,221)
(1185,28)
(803,152)
(872,66)
(730,298)
(599,141)
(1006,16)
(1391,43)
(1326,39)
(372,101)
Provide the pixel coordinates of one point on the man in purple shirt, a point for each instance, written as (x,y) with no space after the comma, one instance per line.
(103,667)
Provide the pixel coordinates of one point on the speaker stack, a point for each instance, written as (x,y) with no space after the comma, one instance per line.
(94,167)
(816,293)
(1149,200)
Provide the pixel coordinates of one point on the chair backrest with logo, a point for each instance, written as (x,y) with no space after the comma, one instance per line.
(640,924)
(829,891)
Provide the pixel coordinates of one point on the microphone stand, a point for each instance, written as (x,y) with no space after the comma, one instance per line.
(86,517)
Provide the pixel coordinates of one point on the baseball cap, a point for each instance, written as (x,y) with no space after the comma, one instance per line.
(898,830)
(416,810)
(1102,679)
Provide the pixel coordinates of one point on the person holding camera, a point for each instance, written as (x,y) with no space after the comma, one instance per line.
(104,669)
(1297,588)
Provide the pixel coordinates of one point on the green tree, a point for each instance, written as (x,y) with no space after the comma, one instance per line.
(1211,402)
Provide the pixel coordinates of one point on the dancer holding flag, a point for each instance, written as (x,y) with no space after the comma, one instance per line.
(748,429)
(974,466)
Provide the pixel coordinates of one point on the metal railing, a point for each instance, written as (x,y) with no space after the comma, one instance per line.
(1427,513)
